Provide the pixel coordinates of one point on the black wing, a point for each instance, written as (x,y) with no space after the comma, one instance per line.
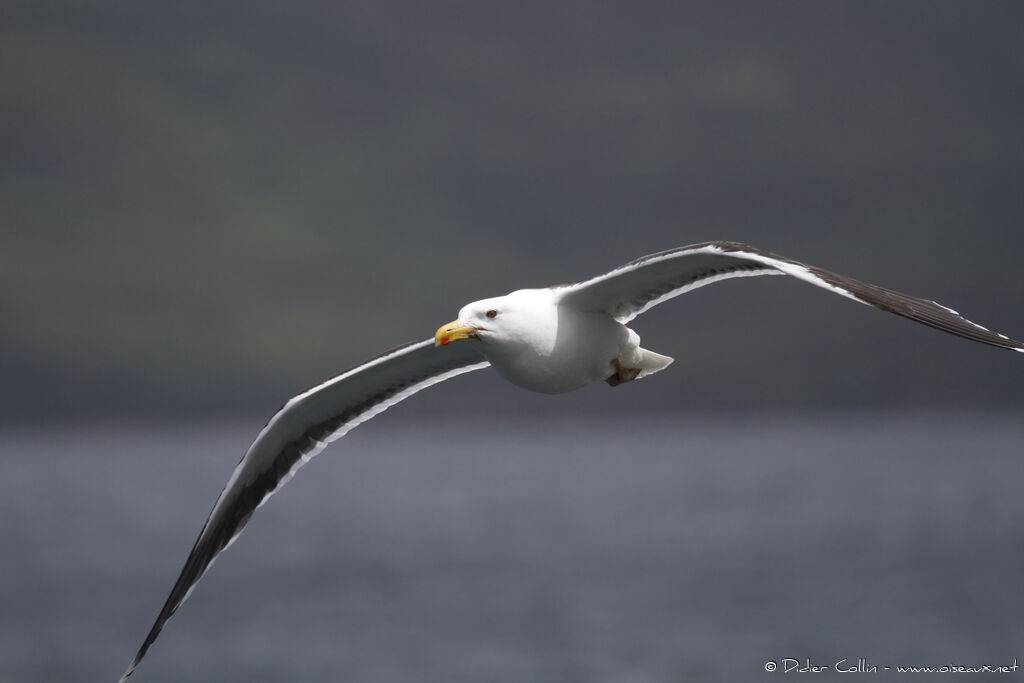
(298,432)
(633,288)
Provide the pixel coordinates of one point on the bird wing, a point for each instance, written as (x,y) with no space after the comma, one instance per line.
(634,287)
(298,432)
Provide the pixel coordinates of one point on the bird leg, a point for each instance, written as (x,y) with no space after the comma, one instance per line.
(621,374)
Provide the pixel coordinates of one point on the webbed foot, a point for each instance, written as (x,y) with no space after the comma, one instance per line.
(621,374)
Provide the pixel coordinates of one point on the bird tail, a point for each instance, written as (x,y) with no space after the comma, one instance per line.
(651,362)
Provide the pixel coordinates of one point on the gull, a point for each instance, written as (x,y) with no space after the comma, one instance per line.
(551,340)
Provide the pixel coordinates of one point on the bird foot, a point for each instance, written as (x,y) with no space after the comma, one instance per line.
(621,374)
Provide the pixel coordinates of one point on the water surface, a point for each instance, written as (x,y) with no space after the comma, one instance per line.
(532,551)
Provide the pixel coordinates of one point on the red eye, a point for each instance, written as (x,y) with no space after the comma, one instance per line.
(492,313)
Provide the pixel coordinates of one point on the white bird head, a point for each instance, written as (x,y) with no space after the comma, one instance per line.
(514,317)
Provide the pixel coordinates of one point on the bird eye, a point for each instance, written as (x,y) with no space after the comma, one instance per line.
(492,313)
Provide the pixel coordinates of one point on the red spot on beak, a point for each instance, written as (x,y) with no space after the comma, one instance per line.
(445,340)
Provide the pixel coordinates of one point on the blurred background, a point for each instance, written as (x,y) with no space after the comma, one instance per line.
(211,206)
(207,207)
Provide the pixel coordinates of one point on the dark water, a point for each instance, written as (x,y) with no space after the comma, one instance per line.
(668,550)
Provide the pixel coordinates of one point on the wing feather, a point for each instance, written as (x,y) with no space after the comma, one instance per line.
(298,432)
(635,287)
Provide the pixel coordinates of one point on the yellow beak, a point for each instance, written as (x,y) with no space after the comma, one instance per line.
(448,333)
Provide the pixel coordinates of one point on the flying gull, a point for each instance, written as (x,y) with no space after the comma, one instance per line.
(549,340)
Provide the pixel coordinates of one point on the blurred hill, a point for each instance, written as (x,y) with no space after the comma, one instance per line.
(207,207)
